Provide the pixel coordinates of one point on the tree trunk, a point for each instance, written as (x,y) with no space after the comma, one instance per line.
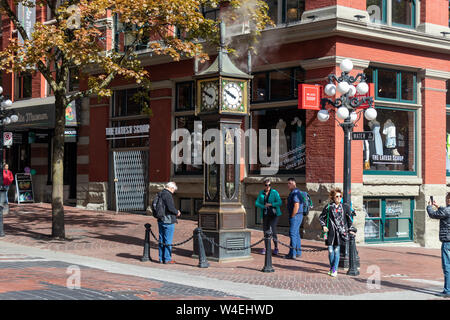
(58,230)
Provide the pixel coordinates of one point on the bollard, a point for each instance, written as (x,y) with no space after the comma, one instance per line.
(202,262)
(2,234)
(268,258)
(352,269)
(146,255)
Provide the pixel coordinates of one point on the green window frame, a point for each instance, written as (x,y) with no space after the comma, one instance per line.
(383,218)
(267,81)
(403,173)
(383,12)
(400,87)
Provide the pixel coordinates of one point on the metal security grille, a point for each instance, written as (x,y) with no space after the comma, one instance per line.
(130,180)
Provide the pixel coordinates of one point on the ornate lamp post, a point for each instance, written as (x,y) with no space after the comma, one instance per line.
(6,117)
(347,106)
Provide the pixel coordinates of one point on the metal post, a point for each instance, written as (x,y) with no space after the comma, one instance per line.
(353,269)
(2,199)
(348,248)
(146,256)
(202,261)
(268,259)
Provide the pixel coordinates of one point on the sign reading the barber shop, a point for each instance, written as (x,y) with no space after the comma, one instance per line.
(128,130)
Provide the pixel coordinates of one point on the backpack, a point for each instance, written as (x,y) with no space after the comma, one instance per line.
(158,207)
(307,202)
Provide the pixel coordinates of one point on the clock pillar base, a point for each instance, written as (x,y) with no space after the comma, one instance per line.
(226,239)
(225,225)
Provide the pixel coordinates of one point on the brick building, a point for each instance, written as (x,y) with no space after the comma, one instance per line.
(402,45)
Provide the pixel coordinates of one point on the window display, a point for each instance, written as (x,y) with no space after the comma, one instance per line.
(393,147)
(388,219)
(292,137)
(188,122)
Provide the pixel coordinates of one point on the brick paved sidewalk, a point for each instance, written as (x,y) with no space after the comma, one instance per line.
(120,238)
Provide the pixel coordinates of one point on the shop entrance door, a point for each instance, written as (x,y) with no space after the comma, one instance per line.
(130,180)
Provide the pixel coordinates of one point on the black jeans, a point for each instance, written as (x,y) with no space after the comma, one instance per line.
(271,223)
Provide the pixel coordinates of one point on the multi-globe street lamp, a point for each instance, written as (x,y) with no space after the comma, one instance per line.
(7,116)
(347,104)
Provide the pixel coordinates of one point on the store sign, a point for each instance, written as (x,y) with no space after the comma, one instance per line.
(7,139)
(128,131)
(42,116)
(309,96)
(387,159)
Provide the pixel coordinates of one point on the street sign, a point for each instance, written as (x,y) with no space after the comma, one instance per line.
(363,135)
(7,138)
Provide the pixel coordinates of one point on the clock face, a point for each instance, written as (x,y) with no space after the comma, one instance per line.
(210,95)
(232,95)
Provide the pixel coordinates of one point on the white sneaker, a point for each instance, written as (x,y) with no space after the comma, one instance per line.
(334,274)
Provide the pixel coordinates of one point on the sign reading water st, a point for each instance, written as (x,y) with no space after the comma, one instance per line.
(363,135)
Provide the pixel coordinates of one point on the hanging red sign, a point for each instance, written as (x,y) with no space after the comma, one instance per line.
(309,96)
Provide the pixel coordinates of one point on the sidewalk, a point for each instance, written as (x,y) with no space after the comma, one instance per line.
(120,238)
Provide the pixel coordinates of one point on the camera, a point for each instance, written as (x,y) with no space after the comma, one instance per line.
(352,229)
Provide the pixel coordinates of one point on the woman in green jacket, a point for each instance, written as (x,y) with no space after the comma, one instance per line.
(269,203)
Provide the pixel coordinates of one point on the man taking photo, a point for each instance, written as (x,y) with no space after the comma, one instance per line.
(443,214)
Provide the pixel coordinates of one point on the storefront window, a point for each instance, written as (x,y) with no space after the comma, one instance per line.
(184,96)
(292,137)
(388,219)
(393,147)
(127,103)
(387,84)
(276,85)
(188,122)
(393,85)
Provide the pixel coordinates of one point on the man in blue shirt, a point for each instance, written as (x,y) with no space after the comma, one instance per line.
(295,212)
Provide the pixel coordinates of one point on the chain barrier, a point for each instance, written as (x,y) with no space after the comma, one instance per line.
(213,243)
(300,249)
(174,244)
(229,249)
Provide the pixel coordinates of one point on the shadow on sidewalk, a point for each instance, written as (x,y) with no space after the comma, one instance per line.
(399,286)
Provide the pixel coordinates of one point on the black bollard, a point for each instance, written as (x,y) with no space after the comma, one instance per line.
(353,268)
(146,255)
(268,259)
(2,233)
(202,261)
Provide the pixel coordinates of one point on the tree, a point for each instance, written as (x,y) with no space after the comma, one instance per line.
(75,41)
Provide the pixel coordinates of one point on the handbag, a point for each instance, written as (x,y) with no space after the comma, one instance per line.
(269,211)
(324,235)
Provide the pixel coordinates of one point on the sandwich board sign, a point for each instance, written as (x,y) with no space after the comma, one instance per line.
(24,187)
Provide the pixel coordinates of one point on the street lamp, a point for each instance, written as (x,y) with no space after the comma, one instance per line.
(6,117)
(347,104)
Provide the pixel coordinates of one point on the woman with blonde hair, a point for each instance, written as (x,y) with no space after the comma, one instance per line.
(336,221)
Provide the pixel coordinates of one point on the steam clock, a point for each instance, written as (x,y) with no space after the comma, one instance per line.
(222,105)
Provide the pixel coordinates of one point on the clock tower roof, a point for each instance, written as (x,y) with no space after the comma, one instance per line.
(223,66)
